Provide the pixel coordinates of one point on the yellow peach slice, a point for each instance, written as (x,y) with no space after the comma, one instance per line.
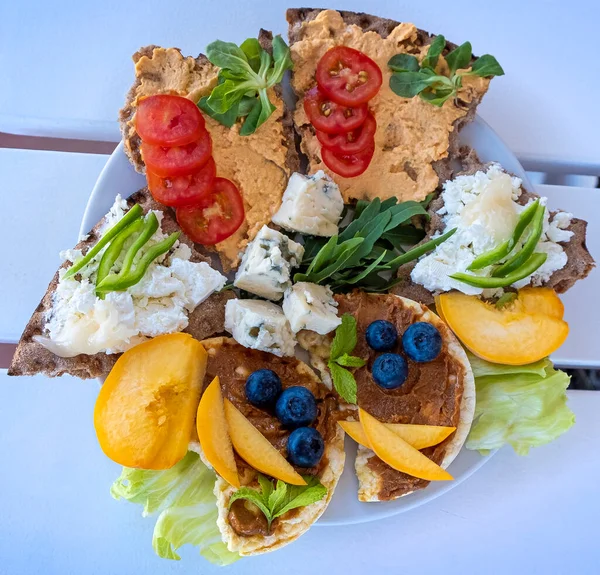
(419,436)
(254,448)
(510,335)
(541,300)
(397,453)
(145,410)
(214,434)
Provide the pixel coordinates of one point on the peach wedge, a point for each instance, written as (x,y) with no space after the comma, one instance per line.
(254,448)
(145,410)
(419,436)
(398,454)
(214,433)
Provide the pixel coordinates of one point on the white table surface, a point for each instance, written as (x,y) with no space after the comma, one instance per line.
(520,515)
(78,68)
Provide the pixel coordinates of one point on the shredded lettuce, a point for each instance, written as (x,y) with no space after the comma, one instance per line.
(524,406)
(183,497)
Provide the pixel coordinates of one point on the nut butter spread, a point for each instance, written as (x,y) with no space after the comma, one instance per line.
(255,163)
(431,394)
(233,364)
(411,134)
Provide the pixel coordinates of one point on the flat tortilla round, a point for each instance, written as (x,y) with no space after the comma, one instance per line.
(370,481)
(285,530)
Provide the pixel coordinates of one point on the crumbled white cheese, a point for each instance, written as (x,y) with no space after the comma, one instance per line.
(259,325)
(484,210)
(311,306)
(311,204)
(266,265)
(172,287)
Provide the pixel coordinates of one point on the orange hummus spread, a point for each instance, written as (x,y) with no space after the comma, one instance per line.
(411,134)
(255,163)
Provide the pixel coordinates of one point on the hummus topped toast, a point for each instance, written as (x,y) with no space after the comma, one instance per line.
(415,141)
(258,164)
(244,529)
(440,392)
(32,357)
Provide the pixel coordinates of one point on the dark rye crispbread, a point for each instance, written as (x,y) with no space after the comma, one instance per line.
(131,140)
(31,358)
(579,260)
(383,27)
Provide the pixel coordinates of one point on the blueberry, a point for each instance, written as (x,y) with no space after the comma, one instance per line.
(422,342)
(389,370)
(263,387)
(296,407)
(305,447)
(381,335)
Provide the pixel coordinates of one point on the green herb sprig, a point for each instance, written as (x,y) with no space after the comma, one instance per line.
(246,74)
(275,501)
(371,244)
(411,78)
(343,345)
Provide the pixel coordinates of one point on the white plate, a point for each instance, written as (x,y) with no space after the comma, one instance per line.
(119,177)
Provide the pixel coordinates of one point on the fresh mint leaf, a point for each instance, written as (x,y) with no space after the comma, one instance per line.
(404,63)
(252,49)
(255,497)
(228,56)
(350,361)
(460,57)
(227,119)
(344,382)
(282,59)
(435,50)
(345,338)
(302,495)
(277,496)
(486,66)
(409,84)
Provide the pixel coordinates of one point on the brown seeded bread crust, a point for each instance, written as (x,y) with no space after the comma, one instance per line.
(31,358)
(383,27)
(132,141)
(579,260)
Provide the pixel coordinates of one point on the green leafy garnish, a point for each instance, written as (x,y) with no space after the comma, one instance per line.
(371,244)
(342,346)
(275,501)
(505,300)
(410,78)
(247,73)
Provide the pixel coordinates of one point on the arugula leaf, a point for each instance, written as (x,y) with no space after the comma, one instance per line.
(428,199)
(350,361)
(459,57)
(343,381)
(418,251)
(252,49)
(404,212)
(404,63)
(404,235)
(345,338)
(435,50)
(486,66)
(276,502)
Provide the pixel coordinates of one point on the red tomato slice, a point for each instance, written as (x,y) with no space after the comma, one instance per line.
(167,120)
(183,190)
(215,217)
(350,142)
(177,160)
(330,117)
(348,166)
(348,76)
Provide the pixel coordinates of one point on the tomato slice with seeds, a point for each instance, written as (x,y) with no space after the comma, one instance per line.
(168,120)
(183,190)
(350,142)
(174,161)
(348,166)
(348,76)
(215,217)
(330,117)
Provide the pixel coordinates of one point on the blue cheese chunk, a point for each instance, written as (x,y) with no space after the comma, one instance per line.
(311,205)
(311,306)
(259,325)
(266,266)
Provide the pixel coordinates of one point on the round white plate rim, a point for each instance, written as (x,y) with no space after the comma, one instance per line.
(118,174)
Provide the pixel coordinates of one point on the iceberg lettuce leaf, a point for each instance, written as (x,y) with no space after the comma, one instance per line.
(183,497)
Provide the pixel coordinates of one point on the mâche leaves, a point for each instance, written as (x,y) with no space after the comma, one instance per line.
(247,73)
(275,502)
(410,78)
